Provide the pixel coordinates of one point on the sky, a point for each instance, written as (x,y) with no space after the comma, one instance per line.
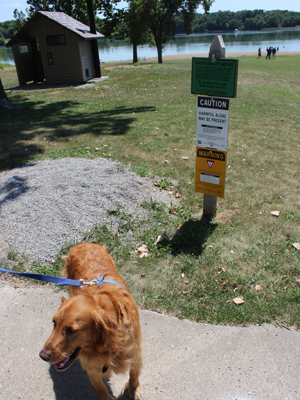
(7,6)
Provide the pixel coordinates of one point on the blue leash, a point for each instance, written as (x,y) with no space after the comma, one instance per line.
(62,281)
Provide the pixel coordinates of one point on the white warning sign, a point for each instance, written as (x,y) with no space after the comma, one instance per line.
(212,122)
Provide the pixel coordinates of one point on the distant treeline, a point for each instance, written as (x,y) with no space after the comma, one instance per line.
(7,29)
(242,20)
(212,22)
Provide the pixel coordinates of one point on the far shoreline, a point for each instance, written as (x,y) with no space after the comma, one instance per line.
(178,57)
(231,55)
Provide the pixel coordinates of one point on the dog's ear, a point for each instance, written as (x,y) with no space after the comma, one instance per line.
(63,299)
(100,329)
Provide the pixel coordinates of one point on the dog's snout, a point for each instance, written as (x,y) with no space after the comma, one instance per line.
(45,355)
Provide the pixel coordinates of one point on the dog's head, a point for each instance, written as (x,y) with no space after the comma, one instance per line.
(78,327)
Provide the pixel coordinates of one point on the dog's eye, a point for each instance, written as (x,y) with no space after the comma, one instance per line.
(69,330)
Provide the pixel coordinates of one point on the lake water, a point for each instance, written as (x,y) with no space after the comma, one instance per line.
(241,42)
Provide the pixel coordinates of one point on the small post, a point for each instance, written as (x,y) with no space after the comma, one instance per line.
(209,206)
(217,50)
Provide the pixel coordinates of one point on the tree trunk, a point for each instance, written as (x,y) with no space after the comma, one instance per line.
(159,52)
(135,55)
(4,102)
(2,92)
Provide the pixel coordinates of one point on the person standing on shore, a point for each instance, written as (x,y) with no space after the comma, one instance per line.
(269,50)
(259,53)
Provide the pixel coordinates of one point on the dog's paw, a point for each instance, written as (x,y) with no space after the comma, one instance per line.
(137,394)
(133,394)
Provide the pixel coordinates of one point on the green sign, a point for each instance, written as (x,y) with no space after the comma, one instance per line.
(214,78)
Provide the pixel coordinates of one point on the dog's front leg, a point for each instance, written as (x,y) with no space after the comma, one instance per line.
(133,387)
(98,384)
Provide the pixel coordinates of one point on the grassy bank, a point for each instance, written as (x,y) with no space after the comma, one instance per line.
(145,116)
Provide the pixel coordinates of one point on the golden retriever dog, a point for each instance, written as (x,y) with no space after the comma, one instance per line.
(98,324)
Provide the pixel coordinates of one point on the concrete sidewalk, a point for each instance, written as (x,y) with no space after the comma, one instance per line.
(182,359)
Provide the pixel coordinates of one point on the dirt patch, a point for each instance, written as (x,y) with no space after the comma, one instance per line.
(9,68)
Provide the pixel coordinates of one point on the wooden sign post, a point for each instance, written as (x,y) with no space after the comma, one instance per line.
(217,77)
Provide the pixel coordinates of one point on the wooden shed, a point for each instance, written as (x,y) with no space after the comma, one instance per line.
(59,50)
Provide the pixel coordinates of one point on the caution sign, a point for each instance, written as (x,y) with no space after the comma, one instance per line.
(212,122)
(210,171)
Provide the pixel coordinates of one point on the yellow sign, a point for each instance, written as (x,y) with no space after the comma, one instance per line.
(210,171)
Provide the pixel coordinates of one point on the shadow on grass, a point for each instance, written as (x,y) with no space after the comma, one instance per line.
(55,122)
(192,236)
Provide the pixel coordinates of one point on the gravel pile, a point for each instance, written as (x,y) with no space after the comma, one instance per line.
(47,204)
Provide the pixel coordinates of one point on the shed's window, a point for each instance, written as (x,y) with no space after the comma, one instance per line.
(55,40)
(87,74)
(50,58)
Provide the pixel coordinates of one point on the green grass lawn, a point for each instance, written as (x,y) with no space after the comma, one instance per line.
(145,115)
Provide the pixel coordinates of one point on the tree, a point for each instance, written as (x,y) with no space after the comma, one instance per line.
(124,22)
(135,28)
(2,40)
(113,17)
(3,31)
(161,18)
(75,8)
(20,18)
(4,102)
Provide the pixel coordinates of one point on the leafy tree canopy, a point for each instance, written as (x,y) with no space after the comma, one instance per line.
(20,18)
(162,18)
(75,8)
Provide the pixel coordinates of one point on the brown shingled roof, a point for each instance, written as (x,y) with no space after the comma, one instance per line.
(72,24)
(62,19)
